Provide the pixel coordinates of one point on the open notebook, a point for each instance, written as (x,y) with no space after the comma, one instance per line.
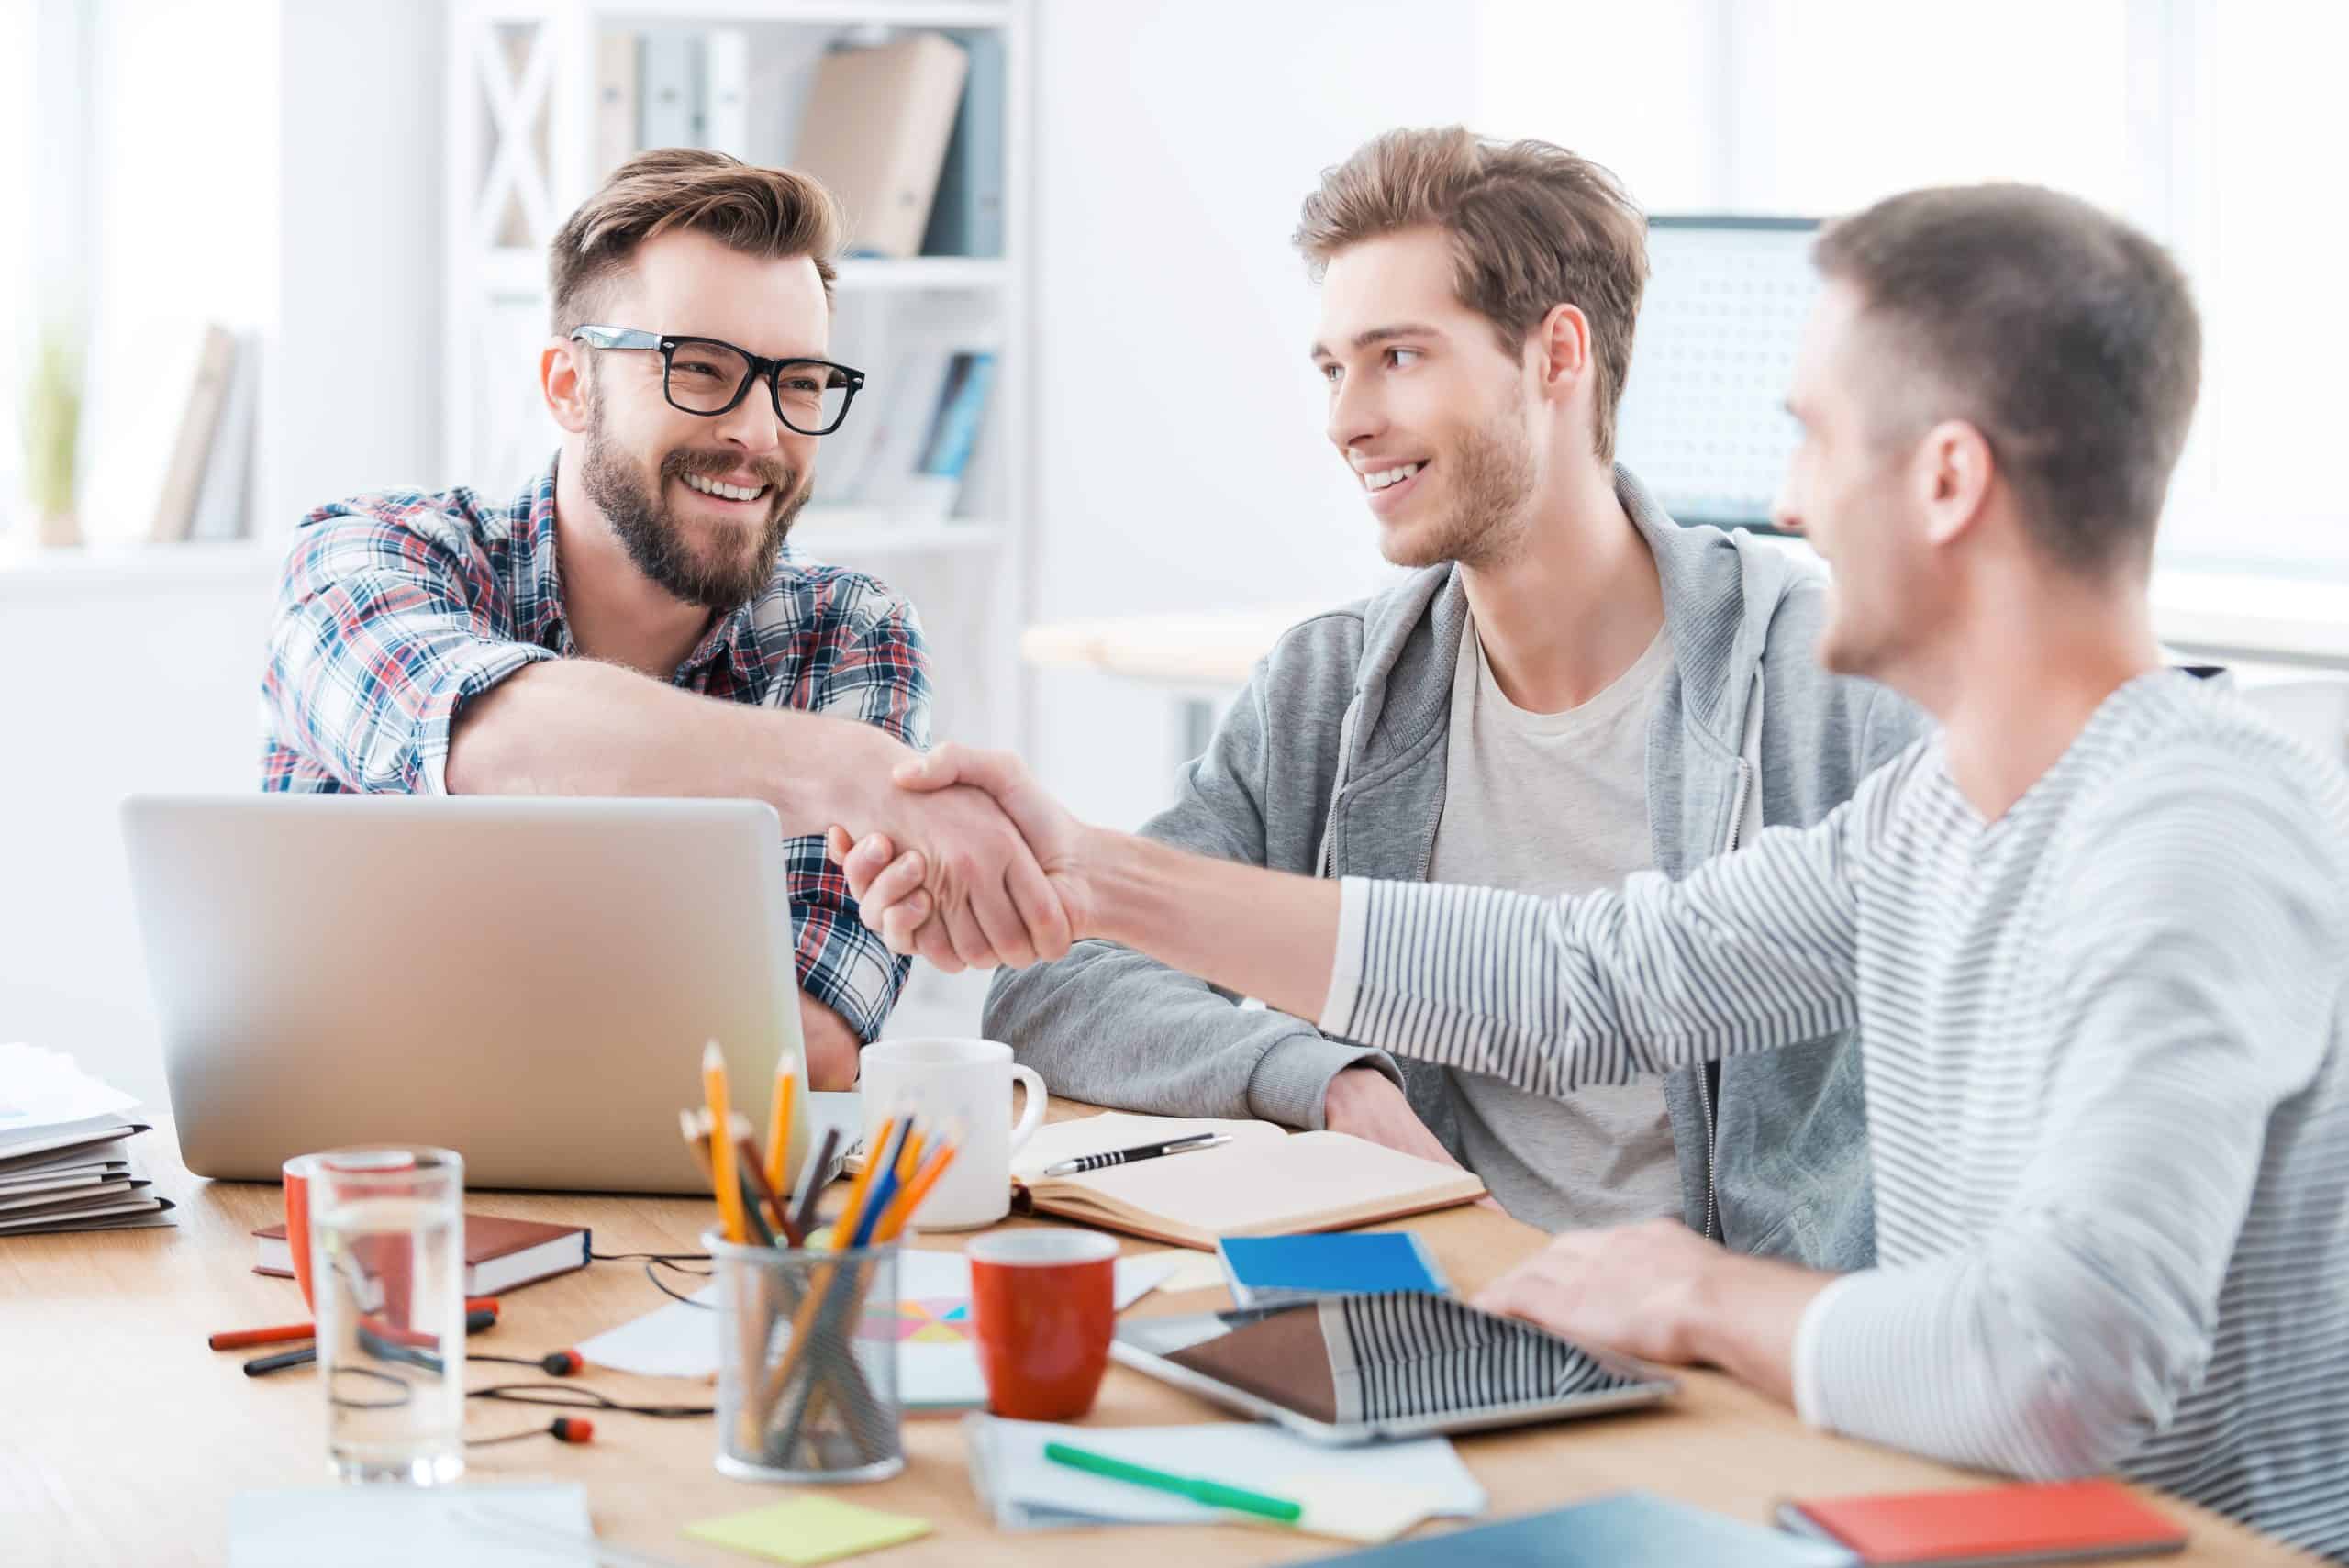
(1266,1182)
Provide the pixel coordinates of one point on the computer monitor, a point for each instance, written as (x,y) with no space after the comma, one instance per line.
(1703,421)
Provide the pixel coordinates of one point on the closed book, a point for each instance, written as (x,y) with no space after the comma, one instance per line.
(1630,1530)
(199,424)
(225,502)
(1990,1527)
(500,1254)
(874,132)
(1272,1270)
(1266,1182)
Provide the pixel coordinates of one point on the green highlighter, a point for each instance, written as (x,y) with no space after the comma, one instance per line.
(1212,1493)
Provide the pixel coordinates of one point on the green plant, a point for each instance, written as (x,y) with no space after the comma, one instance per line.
(53,424)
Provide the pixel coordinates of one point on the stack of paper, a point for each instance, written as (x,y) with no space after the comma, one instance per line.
(1024,1490)
(64,1163)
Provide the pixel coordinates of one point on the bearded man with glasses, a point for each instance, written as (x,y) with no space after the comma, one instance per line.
(633,622)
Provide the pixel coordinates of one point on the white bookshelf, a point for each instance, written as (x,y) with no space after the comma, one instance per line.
(522,152)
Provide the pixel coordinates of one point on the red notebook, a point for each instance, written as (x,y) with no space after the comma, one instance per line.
(1990,1527)
(500,1254)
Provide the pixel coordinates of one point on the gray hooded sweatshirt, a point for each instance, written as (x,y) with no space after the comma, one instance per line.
(1331,762)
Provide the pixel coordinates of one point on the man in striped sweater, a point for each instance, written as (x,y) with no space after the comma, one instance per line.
(2093,934)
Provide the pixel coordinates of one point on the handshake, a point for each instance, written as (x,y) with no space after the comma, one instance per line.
(966,861)
(971,864)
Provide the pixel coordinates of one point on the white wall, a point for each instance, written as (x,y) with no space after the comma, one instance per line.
(1180,459)
(318,220)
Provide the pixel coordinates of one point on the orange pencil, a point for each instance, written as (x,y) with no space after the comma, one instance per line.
(909,1156)
(900,1211)
(722,1174)
(779,1123)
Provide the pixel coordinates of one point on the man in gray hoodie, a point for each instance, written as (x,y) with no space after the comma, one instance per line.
(1572,689)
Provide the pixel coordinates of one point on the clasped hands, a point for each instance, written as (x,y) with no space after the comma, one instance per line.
(986,870)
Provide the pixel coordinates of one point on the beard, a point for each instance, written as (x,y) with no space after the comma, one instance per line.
(737,567)
(1491,470)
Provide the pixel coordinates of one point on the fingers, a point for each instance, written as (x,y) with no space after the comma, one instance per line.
(999,921)
(897,880)
(1039,909)
(969,941)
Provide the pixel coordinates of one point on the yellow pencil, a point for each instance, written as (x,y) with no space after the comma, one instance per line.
(721,1148)
(910,1157)
(779,1124)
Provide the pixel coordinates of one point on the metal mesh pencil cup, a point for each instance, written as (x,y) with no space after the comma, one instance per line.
(808,1362)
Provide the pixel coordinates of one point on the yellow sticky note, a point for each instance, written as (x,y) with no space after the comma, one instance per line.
(809,1530)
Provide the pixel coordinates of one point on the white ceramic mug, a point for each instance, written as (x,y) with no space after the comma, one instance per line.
(947,1083)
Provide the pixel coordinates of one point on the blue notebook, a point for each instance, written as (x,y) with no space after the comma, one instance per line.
(1272,1271)
(1630,1530)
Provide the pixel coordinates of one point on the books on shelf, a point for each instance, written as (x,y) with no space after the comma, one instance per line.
(910,134)
(874,129)
(910,440)
(64,1157)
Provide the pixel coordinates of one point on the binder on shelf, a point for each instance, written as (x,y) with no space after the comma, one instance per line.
(725,91)
(669,89)
(616,104)
(875,130)
(966,216)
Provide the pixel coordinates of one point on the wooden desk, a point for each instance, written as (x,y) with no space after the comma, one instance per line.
(122,1437)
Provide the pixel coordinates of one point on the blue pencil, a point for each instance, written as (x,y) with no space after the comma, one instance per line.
(884,1185)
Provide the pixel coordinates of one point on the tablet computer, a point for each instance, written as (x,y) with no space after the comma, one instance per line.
(1396,1364)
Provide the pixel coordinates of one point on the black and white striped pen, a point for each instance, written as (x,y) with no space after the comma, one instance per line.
(1082,1163)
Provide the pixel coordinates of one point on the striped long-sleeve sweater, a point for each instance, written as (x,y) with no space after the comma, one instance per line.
(2107,1100)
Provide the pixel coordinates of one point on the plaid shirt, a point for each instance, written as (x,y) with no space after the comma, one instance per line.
(397,608)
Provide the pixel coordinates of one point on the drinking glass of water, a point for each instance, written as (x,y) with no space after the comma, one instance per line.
(387,1263)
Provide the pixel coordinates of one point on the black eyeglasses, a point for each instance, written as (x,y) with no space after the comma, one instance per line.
(709,377)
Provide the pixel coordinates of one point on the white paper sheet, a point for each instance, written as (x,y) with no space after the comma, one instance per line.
(469,1526)
(1024,1491)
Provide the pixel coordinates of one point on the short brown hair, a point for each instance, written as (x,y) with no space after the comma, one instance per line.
(1533,226)
(2067,338)
(773,213)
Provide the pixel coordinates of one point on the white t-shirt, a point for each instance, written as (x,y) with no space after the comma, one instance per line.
(1553,803)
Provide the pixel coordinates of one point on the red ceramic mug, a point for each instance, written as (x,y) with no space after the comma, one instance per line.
(298,1172)
(1043,1305)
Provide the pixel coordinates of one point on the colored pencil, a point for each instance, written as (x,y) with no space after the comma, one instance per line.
(721,1149)
(812,1185)
(901,1212)
(779,1124)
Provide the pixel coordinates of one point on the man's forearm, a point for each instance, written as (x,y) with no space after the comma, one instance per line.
(576,727)
(1266,934)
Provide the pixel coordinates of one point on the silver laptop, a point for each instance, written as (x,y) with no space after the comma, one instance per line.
(528,982)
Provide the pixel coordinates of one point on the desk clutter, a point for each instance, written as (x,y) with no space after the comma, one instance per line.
(65,1160)
(822,1336)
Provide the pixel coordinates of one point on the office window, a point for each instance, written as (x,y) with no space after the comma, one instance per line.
(18,152)
(2216,128)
